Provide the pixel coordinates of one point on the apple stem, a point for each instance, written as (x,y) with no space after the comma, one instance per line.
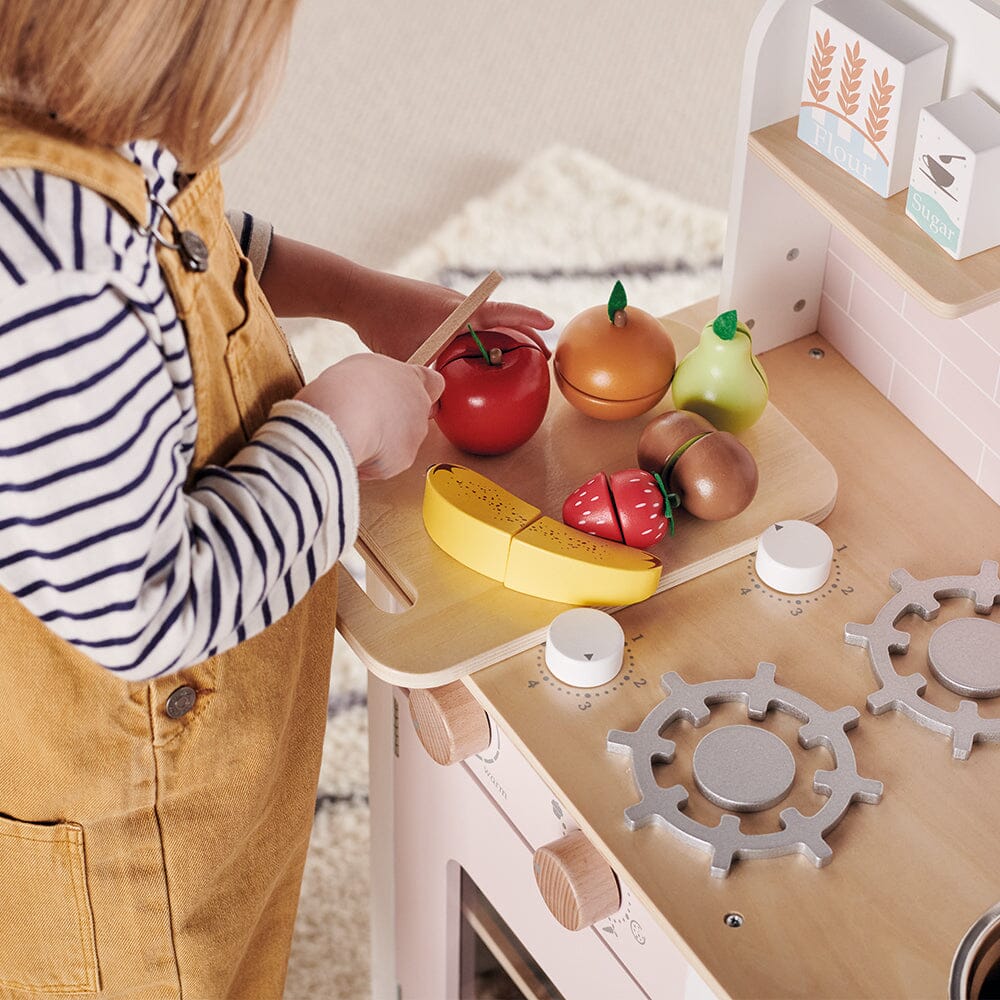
(492,357)
(620,318)
(670,501)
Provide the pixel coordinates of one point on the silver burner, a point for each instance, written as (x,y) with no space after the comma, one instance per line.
(965,659)
(743,768)
(964,655)
(726,841)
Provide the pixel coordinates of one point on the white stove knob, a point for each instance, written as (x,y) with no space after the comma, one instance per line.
(585,647)
(794,557)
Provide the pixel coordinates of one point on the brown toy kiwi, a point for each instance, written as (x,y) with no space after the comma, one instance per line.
(711,471)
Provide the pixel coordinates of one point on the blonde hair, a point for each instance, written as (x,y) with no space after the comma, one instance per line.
(191,74)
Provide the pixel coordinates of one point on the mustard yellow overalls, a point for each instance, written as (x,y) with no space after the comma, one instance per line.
(152,835)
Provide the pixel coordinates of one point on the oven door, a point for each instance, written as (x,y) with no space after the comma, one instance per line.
(470,921)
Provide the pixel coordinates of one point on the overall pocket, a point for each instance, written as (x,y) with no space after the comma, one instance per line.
(46,924)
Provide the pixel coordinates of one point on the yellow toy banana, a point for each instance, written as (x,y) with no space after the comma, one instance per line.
(503,537)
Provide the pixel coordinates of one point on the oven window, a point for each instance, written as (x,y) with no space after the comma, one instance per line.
(495,965)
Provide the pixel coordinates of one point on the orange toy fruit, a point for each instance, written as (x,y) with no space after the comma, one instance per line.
(614,362)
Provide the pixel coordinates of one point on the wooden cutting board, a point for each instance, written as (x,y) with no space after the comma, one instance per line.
(454,621)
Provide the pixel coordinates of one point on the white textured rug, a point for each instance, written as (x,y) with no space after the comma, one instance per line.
(561,231)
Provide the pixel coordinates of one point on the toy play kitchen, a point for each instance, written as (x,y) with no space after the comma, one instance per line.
(777,775)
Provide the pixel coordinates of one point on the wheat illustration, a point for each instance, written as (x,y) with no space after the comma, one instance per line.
(850,79)
(822,58)
(878,106)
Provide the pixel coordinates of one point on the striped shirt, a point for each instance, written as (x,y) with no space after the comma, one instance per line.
(99,537)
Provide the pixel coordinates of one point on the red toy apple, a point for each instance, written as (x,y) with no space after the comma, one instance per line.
(496,390)
(630,506)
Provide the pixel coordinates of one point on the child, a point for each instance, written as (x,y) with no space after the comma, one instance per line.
(172,499)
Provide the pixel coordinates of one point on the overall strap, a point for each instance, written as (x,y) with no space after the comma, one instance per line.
(99,168)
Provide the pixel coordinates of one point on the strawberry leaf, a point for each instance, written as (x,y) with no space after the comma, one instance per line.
(671,501)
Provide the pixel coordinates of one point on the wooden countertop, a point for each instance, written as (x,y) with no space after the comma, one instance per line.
(909,875)
(450,620)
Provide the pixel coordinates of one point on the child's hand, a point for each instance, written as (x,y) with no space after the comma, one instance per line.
(380,406)
(394,315)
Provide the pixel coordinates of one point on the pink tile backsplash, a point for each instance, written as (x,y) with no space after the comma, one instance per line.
(986,322)
(944,375)
(959,342)
(862,350)
(908,347)
(969,403)
(859,263)
(837,281)
(989,476)
(946,430)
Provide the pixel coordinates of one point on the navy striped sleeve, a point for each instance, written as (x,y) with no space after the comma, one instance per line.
(254,237)
(100,537)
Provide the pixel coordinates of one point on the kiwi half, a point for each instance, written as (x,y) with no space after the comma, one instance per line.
(668,465)
(717,480)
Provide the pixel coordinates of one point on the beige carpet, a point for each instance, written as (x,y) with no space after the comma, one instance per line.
(561,229)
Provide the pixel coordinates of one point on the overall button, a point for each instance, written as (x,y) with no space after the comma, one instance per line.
(181,701)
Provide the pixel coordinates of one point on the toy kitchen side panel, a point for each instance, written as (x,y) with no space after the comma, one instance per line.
(481,820)
(922,328)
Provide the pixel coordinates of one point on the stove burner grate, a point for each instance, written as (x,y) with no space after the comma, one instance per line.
(726,842)
(967,660)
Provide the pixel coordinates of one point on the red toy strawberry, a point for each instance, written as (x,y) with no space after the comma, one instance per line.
(632,507)
(644,510)
(592,510)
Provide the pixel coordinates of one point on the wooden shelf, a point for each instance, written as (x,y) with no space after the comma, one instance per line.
(879,226)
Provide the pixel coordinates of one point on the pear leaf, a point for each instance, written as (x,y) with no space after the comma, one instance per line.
(618,300)
(725,325)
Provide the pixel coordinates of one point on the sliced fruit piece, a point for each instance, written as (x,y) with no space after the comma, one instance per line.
(721,379)
(552,560)
(606,409)
(716,477)
(590,509)
(665,434)
(472,518)
(640,507)
(614,362)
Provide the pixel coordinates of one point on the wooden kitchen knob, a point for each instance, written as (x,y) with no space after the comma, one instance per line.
(577,884)
(449,722)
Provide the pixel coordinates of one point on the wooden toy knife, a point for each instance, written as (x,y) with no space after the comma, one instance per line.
(432,346)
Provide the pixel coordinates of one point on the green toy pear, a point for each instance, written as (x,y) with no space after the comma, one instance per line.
(721,379)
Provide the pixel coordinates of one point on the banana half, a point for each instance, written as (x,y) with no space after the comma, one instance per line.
(507,539)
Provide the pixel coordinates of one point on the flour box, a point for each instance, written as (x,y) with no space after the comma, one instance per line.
(869,70)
